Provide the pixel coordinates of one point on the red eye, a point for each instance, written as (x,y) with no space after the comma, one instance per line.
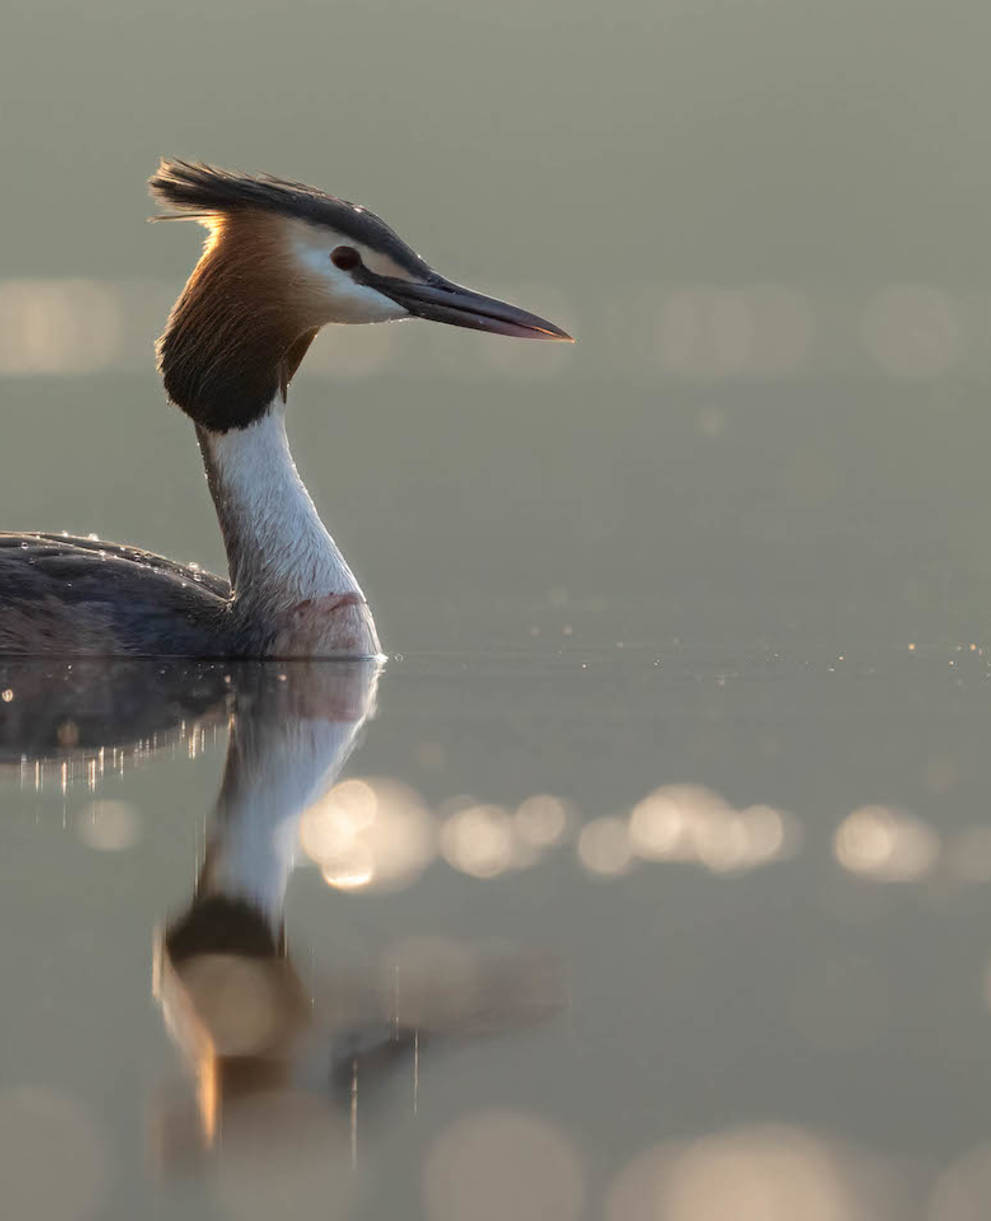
(345,257)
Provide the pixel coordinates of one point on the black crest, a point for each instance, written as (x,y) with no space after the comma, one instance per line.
(199,190)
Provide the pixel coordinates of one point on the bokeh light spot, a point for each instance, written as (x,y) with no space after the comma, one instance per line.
(758,1173)
(109,826)
(542,820)
(886,844)
(604,847)
(369,832)
(478,841)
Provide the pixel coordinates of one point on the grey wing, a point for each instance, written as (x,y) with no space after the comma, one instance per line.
(77,596)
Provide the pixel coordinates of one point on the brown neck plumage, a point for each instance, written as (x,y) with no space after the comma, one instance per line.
(234,338)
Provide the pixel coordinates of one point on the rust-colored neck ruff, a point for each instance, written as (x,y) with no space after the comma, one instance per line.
(235,337)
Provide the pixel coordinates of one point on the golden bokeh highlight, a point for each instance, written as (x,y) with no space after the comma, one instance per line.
(353,868)
(689,822)
(886,844)
(377,833)
(664,825)
(604,847)
(752,1173)
(109,826)
(542,820)
(479,841)
(369,833)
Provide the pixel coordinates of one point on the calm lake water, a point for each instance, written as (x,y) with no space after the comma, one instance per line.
(605,933)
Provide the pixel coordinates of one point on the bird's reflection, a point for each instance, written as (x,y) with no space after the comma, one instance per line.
(85,716)
(230,993)
(272,1049)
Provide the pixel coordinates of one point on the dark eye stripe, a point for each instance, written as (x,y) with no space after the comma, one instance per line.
(345,257)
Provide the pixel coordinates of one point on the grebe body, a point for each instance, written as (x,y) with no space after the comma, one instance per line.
(281,260)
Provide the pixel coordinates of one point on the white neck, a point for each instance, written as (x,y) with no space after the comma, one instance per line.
(279,551)
(253,847)
(287,748)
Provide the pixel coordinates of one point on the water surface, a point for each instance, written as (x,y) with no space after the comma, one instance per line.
(614,934)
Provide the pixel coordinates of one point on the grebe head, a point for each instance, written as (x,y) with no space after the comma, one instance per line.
(282,260)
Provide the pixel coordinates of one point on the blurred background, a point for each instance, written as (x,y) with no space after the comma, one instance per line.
(765,222)
(715,581)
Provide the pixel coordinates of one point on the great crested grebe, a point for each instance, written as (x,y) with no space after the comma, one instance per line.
(280,261)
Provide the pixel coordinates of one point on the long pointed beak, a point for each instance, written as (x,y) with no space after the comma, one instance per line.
(442,301)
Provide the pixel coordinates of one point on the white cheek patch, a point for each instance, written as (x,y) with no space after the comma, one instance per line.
(346,301)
